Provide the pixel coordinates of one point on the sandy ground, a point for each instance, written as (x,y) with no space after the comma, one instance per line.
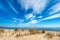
(28,35)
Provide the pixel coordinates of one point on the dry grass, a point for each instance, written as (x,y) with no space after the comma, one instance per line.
(48,35)
(58,35)
(1,31)
(28,35)
(33,31)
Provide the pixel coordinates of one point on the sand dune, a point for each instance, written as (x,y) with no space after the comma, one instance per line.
(28,35)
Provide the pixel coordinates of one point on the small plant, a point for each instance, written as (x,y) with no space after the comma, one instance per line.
(17,35)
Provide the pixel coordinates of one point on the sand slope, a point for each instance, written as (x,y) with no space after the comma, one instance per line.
(28,35)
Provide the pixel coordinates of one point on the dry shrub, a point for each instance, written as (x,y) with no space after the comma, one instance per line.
(16,29)
(43,31)
(33,31)
(1,31)
(48,35)
(23,29)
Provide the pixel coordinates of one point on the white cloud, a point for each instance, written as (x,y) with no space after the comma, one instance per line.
(39,6)
(36,5)
(40,16)
(26,4)
(33,17)
(29,16)
(32,22)
(27,24)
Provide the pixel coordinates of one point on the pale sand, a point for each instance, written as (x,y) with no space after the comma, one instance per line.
(28,35)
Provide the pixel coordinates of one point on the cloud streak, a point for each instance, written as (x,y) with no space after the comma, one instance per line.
(13,8)
(55,8)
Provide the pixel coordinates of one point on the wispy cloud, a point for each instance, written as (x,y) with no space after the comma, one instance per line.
(52,17)
(17,20)
(36,5)
(33,22)
(28,24)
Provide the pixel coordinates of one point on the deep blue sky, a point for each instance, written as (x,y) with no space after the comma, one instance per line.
(30,13)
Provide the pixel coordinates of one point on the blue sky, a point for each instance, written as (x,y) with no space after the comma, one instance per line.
(30,13)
